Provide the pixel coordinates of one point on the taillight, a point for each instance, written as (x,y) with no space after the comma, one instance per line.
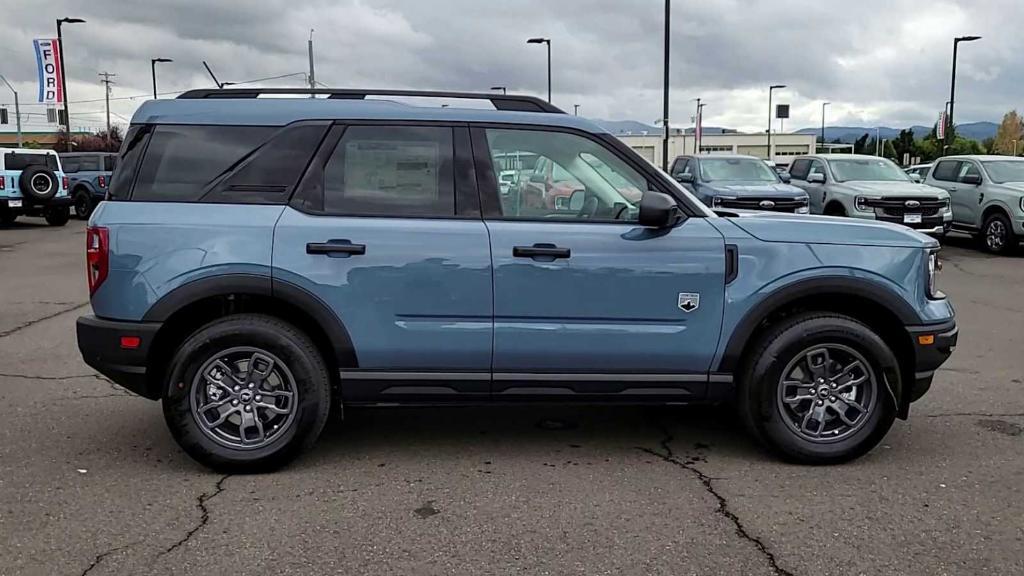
(102,181)
(64,181)
(3,183)
(97,256)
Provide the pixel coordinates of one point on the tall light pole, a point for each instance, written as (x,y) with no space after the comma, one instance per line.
(823,104)
(770,89)
(575,109)
(312,73)
(504,89)
(64,72)
(665,86)
(877,136)
(152,67)
(952,84)
(17,112)
(548,42)
(696,127)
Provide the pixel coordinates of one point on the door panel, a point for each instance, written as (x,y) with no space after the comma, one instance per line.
(611,307)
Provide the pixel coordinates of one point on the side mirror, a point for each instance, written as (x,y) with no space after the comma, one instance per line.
(915,178)
(972,179)
(815,178)
(785,177)
(684,178)
(658,210)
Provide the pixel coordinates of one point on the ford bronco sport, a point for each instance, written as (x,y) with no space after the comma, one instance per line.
(32,183)
(264,261)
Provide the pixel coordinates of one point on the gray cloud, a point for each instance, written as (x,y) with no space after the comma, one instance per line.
(877,61)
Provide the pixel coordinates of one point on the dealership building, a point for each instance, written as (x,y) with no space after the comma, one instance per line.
(784,146)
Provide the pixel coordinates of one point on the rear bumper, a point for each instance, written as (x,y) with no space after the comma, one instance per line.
(100,342)
(933,345)
(29,206)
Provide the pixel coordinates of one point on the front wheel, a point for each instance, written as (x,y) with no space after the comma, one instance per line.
(57,216)
(997,234)
(818,389)
(246,393)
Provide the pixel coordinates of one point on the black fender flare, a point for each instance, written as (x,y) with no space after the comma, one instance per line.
(260,285)
(841,285)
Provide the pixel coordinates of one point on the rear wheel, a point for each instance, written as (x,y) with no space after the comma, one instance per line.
(817,389)
(997,234)
(83,204)
(246,393)
(835,209)
(57,216)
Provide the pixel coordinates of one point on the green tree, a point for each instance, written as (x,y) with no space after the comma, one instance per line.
(1011,129)
(904,144)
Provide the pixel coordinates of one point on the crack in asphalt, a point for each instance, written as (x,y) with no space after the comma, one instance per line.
(103,555)
(204,516)
(7,333)
(116,391)
(723,504)
(973,414)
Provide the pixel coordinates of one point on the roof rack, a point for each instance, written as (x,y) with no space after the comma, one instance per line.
(507,102)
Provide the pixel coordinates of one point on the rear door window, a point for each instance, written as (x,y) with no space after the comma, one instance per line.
(946,170)
(183,162)
(392,171)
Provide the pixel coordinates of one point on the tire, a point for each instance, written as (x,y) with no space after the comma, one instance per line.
(297,366)
(835,209)
(38,183)
(797,340)
(83,205)
(997,235)
(57,216)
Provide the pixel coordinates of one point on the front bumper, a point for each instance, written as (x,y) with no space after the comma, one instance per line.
(100,342)
(933,344)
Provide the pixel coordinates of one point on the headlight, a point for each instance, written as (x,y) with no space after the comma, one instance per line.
(1022,203)
(934,266)
(862,203)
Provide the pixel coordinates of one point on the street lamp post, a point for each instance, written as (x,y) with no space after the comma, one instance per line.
(17,112)
(548,42)
(770,89)
(64,73)
(665,86)
(823,104)
(152,65)
(696,127)
(952,84)
(504,89)
(575,109)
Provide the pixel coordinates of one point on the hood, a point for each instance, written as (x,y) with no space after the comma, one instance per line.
(741,189)
(894,189)
(808,229)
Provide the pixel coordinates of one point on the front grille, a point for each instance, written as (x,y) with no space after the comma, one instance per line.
(896,207)
(780,204)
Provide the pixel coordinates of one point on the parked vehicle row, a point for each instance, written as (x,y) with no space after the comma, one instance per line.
(320,253)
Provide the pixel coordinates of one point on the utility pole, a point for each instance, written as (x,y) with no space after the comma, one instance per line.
(312,74)
(107,82)
(665,84)
(17,113)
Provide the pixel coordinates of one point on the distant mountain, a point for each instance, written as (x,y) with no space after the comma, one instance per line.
(973,130)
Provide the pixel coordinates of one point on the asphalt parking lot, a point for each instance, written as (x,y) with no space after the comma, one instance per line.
(92,483)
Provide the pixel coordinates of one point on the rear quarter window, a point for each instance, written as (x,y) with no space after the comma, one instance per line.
(946,170)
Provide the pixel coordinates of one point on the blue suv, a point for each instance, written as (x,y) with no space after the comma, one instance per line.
(262,262)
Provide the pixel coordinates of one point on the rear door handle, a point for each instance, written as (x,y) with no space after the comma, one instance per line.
(336,247)
(541,251)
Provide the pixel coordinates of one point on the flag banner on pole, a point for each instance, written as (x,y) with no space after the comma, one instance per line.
(48,64)
(940,129)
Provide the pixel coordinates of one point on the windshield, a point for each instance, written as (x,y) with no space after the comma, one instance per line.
(1003,171)
(871,169)
(736,169)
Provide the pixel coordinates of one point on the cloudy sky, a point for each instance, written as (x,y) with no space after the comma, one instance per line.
(878,61)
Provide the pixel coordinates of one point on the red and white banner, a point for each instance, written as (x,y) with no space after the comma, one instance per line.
(940,128)
(50,74)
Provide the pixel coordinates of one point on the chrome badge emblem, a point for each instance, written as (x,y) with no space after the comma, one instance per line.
(766,204)
(688,301)
(912,204)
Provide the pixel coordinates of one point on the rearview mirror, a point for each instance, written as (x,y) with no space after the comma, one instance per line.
(815,178)
(658,210)
(785,177)
(684,177)
(915,178)
(972,179)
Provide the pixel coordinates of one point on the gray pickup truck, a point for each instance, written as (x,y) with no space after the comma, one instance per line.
(987,195)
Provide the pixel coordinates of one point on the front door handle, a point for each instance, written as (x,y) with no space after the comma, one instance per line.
(340,247)
(541,252)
